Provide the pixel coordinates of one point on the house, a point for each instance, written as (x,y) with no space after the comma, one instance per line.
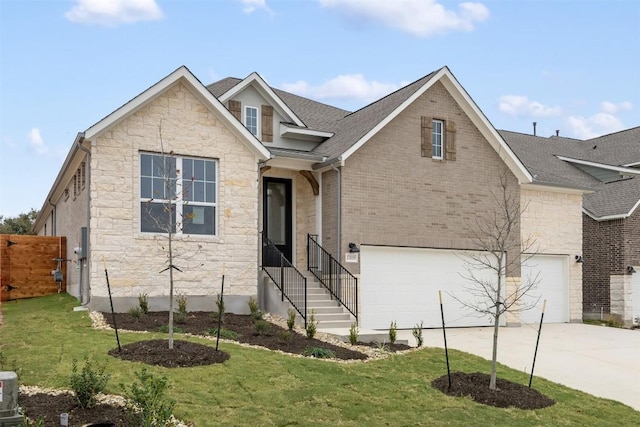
(285,192)
(609,168)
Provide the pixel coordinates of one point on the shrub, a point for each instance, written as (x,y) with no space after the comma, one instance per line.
(318,353)
(165,329)
(146,402)
(87,383)
(393,332)
(143,302)
(135,312)
(312,325)
(224,333)
(417,333)
(181,315)
(253,306)
(353,334)
(291,319)
(220,304)
(284,336)
(262,327)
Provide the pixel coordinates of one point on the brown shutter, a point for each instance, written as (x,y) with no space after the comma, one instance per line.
(267,123)
(450,140)
(425,136)
(235,107)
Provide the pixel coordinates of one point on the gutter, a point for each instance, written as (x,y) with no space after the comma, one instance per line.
(79,140)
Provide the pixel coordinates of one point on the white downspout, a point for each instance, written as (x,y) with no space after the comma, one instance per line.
(79,141)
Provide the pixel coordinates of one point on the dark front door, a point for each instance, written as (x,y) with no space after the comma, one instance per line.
(277,224)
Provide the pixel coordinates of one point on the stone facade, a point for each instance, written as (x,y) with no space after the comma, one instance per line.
(553,220)
(179,122)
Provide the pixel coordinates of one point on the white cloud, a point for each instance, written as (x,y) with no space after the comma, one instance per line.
(113,12)
(36,142)
(612,108)
(251,6)
(521,106)
(349,86)
(598,124)
(421,18)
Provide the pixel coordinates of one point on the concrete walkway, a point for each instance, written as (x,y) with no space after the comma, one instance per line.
(598,360)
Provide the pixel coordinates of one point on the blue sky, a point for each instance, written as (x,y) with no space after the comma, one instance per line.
(64,65)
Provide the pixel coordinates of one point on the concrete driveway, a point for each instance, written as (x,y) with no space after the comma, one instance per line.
(598,360)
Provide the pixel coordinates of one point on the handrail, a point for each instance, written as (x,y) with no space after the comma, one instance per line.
(291,283)
(341,284)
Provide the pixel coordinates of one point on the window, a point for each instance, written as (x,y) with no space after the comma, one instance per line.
(189,184)
(251,119)
(82,176)
(437,139)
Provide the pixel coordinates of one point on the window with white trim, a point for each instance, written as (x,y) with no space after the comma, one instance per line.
(186,185)
(251,119)
(437,139)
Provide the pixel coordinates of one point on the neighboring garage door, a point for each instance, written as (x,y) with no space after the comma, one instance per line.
(402,284)
(553,286)
(635,295)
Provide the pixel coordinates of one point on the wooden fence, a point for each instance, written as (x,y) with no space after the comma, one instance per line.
(26,263)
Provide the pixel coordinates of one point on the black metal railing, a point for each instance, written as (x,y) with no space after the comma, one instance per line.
(291,283)
(341,284)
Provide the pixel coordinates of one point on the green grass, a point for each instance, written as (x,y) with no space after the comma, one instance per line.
(259,387)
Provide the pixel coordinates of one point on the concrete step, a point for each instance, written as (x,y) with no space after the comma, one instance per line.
(328,326)
(321,303)
(326,310)
(333,316)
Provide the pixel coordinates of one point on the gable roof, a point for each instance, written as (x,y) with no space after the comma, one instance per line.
(359,127)
(182,74)
(315,115)
(576,164)
(613,200)
(254,80)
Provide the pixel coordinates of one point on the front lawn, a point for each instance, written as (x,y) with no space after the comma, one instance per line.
(262,387)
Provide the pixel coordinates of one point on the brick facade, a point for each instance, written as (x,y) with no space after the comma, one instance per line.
(391,195)
(609,248)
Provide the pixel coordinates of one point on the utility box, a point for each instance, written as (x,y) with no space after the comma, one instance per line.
(10,414)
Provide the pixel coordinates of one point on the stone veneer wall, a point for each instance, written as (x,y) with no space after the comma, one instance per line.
(135,259)
(554,220)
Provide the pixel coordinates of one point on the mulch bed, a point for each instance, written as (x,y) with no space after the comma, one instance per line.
(476,386)
(186,353)
(204,323)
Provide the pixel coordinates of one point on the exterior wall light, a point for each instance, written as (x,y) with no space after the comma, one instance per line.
(630,269)
(579,259)
(353,248)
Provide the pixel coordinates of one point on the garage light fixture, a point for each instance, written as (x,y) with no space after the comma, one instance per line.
(579,259)
(353,248)
(631,270)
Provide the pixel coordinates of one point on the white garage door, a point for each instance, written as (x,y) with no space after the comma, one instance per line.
(635,295)
(553,286)
(401,285)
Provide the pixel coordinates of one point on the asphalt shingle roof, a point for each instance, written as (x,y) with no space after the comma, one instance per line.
(538,154)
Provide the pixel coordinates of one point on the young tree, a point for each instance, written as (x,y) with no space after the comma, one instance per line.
(501,252)
(21,224)
(161,215)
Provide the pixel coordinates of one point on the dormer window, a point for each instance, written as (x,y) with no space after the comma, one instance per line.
(251,119)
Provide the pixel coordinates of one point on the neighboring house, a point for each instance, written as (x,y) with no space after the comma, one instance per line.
(377,203)
(609,167)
